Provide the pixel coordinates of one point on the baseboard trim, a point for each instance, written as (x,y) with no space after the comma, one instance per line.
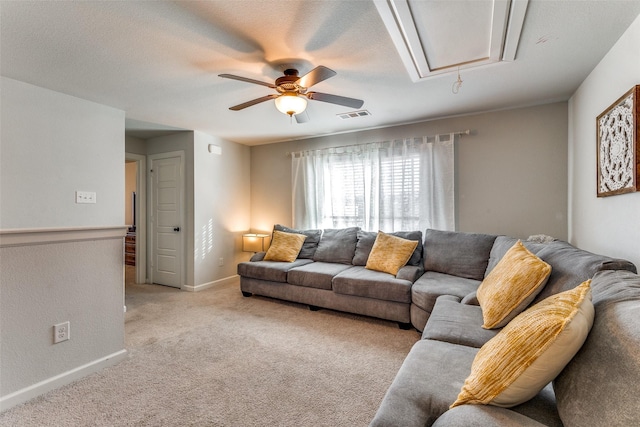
(60,380)
(215,283)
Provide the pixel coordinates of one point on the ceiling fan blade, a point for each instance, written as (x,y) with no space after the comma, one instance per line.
(247,80)
(335,99)
(315,76)
(253,102)
(302,117)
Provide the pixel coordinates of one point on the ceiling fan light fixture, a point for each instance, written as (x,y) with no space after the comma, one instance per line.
(290,103)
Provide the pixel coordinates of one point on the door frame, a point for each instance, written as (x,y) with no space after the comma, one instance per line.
(150,215)
(140,215)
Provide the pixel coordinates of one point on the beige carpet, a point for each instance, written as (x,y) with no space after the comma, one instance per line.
(215,358)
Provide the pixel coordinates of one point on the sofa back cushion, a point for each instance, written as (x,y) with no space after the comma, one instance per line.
(456,253)
(367,238)
(571,266)
(310,242)
(502,244)
(337,245)
(601,385)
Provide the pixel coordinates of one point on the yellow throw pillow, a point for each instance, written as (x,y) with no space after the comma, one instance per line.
(530,351)
(511,286)
(390,253)
(284,246)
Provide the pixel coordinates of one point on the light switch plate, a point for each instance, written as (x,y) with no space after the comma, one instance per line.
(85,197)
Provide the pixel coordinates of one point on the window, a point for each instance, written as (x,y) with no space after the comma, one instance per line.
(390,186)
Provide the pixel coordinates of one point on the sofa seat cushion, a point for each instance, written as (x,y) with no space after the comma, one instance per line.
(361,282)
(456,253)
(457,323)
(484,416)
(426,384)
(426,290)
(273,271)
(601,384)
(315,275)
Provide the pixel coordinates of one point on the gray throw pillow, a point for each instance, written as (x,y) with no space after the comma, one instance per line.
(337,245)
(310,242)
(366,240)
(456,253)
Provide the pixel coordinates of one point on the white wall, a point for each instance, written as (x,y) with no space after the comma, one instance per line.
(607,225)
(510,174)
(50,146)
(53,145)
(221,209)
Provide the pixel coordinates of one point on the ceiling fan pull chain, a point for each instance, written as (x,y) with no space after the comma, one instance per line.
(457,84)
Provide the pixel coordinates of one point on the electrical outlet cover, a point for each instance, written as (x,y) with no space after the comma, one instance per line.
(61,332)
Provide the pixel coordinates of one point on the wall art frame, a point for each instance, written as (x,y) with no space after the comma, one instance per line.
(618,150)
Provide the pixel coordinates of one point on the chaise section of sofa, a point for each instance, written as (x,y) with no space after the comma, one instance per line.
(437,366)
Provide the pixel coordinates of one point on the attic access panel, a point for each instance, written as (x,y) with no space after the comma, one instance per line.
(436,36)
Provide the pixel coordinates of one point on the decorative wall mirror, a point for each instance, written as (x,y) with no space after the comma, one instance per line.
(618,151)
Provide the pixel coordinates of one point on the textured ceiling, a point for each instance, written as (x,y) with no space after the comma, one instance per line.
(159,61)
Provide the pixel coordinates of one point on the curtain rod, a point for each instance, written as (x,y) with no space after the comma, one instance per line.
(459,133)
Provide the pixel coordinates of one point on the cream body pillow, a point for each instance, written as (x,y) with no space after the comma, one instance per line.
(284,246)
(530,351)
(390,253)
(511,286)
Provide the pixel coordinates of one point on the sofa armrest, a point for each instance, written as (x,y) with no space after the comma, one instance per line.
(471,299)
(484,415)
(619,264)
(410,273)
(258,256)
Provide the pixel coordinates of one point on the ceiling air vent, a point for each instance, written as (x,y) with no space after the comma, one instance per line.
(354,114)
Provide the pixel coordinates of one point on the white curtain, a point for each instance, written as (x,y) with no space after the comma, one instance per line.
(399,185)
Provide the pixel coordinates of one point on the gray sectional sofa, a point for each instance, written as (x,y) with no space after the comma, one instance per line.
(330,273)
(437,296)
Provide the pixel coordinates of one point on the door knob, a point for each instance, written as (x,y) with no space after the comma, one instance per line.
(176,228)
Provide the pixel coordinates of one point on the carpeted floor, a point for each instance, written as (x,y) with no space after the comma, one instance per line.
(215,358)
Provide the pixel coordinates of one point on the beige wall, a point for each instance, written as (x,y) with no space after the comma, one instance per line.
(607,225)
(511,173)
(52,145)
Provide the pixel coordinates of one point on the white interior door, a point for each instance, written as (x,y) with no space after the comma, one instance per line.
(167,219)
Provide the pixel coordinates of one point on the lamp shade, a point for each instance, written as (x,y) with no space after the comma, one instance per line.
(252,242)
(290,103)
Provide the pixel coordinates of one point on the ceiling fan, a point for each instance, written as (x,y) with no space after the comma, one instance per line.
(292,92)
